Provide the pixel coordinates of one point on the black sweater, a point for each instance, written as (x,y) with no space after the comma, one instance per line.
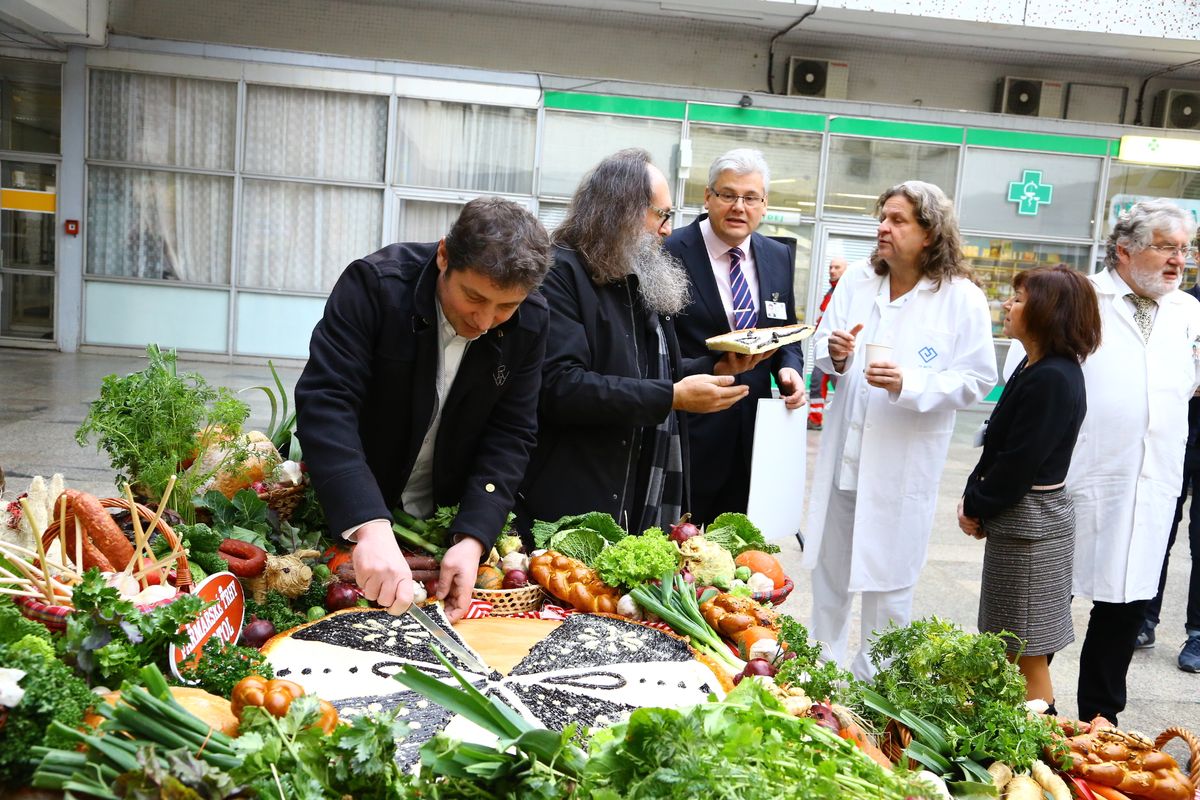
(1030,436)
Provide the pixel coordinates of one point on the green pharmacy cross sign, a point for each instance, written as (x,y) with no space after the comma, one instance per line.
(1030,193)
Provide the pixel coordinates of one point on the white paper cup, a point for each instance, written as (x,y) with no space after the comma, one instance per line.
(878,352)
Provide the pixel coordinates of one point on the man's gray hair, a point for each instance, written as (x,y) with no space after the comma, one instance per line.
(1136,227)
(742,161)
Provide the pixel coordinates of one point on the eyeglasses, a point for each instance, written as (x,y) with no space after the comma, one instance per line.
(664,214)
(729,198)
(1168,250)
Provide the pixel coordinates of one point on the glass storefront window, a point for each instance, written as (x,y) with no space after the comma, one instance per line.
(861,169)
(162,121)
(465,146)
(551,215)
(27,306)
(997,261)
(1129,183)
(1029,193)
(306,133)
(300,236)
(793,159)
(30,105)
(159,225)
(574,143)
(425,220)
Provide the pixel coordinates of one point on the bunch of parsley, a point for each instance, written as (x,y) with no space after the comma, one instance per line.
(965,684)
(109,639)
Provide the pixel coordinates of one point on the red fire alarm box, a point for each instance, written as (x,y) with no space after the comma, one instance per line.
(71,227)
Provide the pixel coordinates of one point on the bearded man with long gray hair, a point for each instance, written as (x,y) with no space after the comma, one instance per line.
(611,436)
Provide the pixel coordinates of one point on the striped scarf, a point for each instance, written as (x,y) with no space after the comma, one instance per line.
(664,494)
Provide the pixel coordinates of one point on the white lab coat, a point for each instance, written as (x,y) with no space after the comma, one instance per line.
(943,343)
(1128,463)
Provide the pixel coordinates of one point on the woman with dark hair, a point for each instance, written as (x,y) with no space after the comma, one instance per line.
(1016,497)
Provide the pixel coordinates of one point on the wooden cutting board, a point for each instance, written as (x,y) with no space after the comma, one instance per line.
(504,641)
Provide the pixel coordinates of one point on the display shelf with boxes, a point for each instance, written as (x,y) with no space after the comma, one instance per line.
(997,261)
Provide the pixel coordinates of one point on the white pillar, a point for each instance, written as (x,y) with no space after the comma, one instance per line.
(72,190)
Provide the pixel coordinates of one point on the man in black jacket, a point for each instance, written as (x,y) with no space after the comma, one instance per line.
(740,279)
(610,438)
(421,389)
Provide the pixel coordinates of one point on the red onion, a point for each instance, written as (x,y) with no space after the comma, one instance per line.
(257,632)
(341,595)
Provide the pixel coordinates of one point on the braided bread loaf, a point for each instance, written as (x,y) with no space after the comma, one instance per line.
(574,582)
(1128,763)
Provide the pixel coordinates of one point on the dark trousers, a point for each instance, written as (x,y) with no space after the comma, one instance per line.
(1104,660)
(1191,478)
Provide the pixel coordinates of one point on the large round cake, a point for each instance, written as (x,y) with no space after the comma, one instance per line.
(591,670)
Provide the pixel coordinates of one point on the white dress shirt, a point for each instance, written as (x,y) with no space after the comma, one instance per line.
(718,256)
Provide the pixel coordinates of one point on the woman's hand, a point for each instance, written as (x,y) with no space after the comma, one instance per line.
(969,525)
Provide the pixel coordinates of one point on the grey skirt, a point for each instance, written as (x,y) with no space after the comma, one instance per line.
(1027,573)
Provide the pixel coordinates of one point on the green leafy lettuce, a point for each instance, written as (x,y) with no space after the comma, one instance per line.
(580,536)
(737,534)
(637,559)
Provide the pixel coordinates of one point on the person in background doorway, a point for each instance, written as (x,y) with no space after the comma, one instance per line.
(612,436)
(739,279)
(421,390)
(1189,655)
(875,486)
(819,383)
(1128,464)
(1016,497)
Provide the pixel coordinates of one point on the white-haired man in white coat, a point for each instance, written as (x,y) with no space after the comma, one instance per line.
(888,429)
(1128,464)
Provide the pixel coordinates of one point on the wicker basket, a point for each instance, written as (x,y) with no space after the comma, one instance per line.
(54,617)
(284,500)
(778,596)
(896,738)
(1193,744)
(506,602)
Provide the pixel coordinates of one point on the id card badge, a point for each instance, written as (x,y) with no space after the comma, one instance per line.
(977,440)
(776,310)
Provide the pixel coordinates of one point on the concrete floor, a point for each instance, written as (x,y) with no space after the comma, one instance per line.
(44,396)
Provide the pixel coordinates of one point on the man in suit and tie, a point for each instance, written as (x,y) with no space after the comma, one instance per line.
(740,279)
(421,390)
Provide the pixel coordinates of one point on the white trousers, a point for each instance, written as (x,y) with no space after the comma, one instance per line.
(832,598)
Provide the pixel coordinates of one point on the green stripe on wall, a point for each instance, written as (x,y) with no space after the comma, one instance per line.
(610,104)
(948,134)
(758,117)
(1019,140)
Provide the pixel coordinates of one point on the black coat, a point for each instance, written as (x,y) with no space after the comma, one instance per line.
(366,398)
(595,404)
(722,443)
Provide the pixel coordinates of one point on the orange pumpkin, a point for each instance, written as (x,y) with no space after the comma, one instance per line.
(758,561)
(489,578)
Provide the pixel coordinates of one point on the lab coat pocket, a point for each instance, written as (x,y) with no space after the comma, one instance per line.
(930,349)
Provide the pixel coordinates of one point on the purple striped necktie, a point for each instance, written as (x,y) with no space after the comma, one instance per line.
(744,315)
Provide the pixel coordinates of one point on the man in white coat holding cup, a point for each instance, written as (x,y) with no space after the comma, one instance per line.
(1128,462)
(909,338)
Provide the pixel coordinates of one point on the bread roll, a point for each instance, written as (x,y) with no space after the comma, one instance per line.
(574,582)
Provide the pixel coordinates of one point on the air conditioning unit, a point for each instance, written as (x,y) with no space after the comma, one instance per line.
(1029,97)
(811,77)
(1176,108)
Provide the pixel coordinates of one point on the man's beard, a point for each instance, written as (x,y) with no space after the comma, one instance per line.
(1150,282)
(662,278)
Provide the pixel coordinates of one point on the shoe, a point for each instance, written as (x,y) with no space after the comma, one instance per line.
(1189,656)
(1145,638)
(815,426)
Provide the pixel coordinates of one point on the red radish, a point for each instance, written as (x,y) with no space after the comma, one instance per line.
(515,579)
(341,595)
(759,666)
(257,632)
(683,530)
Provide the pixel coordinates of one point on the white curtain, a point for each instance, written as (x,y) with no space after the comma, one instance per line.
(163,121)
(423,221)
(300,236)
(156,224)
(457,146)
(305,133)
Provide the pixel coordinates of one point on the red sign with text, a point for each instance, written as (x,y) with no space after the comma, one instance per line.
(222,619)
